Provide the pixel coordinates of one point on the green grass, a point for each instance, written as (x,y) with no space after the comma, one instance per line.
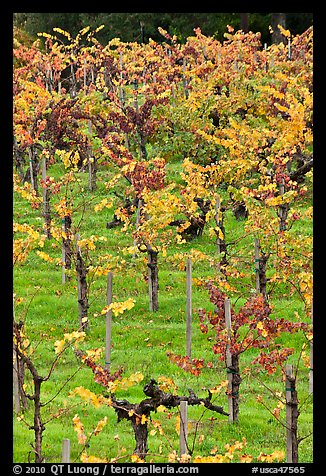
(141,340)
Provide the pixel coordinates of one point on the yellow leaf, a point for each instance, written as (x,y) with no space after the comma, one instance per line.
(88,396)
(119,307)
(59,345)
(84,458)
(79,428)
(136,459)
(201,439)
(100,425)
(143,420)
(173,457)
(219,387)
(103,204)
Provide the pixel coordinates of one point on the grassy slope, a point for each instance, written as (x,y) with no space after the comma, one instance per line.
(140,342)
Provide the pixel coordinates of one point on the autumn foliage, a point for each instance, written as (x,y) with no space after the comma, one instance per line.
(252,327)
(184,138)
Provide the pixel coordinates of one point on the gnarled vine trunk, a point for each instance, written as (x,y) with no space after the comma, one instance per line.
(82,290)
(152,278)
(135,412)
(141,437)
(236,381)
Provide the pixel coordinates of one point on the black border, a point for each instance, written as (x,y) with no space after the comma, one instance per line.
(6,432)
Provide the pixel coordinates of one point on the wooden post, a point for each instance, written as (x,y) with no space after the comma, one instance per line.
(63,275)
(91,164)
(205,53)
(188,306)
(139,205)
(173,90)
(73,91)
(184,80)
(141,137)
(122,97)
(282,187)
(183,427)
(46,201)
(217,211)
(65,451)
(271,62)
(48,80)
(108,323)
(220,242)
(291,416)
(150,291)
(283,209)
(85,76)
(31,168)
(228,357)
(142,31)
(257,258)
(289,49)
